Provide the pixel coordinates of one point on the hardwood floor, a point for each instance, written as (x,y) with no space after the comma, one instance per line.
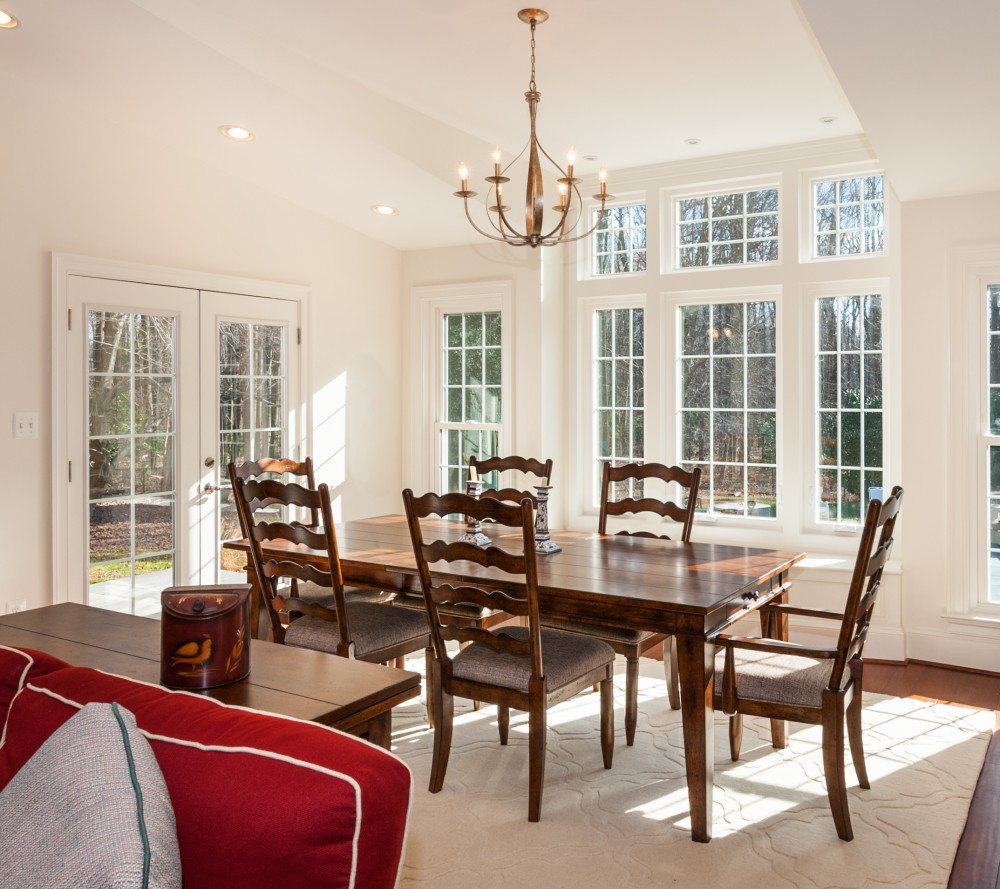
(977,862)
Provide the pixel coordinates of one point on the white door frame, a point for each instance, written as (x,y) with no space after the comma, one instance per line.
(63,267)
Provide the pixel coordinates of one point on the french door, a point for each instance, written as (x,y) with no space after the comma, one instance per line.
(173,383)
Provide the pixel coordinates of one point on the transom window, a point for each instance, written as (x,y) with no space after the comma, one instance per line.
(727,229)
(728,398)
(471,398)
(619,387)
(849,216)
(620,241)
(849,425)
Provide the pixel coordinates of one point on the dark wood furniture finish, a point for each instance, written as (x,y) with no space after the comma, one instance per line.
(368,631)
(632,644)
(819,686)
(692,591)
(505,666)
(542,470)
(352,696)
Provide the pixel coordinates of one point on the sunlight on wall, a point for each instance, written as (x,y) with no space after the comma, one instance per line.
(329,439)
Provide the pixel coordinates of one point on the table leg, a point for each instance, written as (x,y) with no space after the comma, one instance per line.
(380,730)
(696,663)
(257,606)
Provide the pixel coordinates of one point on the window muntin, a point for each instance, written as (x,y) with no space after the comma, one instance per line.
(620,241)
(993,443)
(849,216)
(737,228)
(471,403)
(849,416)
(728,404)
(619,389)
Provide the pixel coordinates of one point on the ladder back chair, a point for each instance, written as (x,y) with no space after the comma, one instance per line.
(526,466)
(821,686)
(510,666)
(632,644)
(367,631)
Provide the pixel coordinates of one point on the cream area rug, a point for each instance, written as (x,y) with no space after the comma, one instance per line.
(629,827)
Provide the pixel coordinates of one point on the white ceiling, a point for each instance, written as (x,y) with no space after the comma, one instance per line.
(358,103)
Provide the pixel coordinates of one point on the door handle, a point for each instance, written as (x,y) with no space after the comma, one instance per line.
(209,489)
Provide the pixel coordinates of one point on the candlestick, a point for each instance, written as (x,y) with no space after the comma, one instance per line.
(473,530)
(543,540)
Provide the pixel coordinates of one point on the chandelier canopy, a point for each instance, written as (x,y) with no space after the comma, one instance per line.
(534,234)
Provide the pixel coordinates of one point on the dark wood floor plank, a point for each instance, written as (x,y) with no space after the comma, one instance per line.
(977,861)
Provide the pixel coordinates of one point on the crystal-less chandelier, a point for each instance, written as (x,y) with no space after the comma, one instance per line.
(534,234)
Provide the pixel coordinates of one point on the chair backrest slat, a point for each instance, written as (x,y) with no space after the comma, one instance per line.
(275,468)
(688,481)
(502,576)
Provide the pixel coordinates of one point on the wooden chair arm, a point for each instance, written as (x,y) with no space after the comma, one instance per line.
(774,646)
(803,612)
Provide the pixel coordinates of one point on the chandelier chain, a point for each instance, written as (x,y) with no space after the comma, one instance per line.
(531,83)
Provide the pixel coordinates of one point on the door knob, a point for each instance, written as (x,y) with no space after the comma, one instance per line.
(209,489)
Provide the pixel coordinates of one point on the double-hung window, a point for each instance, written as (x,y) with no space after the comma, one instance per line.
(619,388)
(471,394)
(849,405)
(728,400)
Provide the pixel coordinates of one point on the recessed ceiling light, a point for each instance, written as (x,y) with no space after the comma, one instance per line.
(827,119)
(590,157)
(237,134)
(7,20)
(692,141)
(384,210)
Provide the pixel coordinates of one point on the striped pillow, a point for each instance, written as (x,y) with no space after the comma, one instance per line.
(90,808)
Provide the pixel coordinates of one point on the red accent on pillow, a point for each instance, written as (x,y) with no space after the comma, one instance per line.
(17,666)
(245,819)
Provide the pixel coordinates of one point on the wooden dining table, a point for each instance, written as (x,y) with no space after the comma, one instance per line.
(693,591)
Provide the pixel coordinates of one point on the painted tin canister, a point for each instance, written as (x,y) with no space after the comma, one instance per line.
(204,635)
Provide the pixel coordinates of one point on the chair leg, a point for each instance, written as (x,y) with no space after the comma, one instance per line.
(607,720)
(537,727)
(833,768)
(854,737)
(670,672)
(503,722)
(631,698)
(779,734)
(735,735)
(443,709)
(428,671)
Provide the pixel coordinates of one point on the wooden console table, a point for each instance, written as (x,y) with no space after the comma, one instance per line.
(349,695)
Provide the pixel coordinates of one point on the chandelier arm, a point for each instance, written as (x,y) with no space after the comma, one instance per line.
(519,243)
(586,234)
(505,225)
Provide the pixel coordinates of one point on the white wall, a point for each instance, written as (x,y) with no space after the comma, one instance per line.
(937,234)
(75,185)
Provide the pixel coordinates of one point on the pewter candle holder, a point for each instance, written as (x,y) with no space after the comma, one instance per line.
(473,529)
(543,540)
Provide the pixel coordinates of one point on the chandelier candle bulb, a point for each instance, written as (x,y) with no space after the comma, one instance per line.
(570,160)
(463,174)
(496,162)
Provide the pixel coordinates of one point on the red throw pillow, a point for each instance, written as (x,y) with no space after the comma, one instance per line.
(260,800)
(17,666)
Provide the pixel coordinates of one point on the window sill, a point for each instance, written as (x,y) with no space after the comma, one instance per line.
(972,623)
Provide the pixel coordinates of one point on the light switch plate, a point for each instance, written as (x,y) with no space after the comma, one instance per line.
(26,424)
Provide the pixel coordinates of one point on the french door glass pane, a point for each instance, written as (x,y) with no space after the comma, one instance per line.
(253,388)
(131,469)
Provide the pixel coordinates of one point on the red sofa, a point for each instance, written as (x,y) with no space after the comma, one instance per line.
(259,800)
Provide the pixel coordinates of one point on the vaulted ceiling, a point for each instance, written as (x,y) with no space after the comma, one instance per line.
(356,104)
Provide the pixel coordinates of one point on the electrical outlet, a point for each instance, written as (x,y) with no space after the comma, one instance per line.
(26,424)
(14,606)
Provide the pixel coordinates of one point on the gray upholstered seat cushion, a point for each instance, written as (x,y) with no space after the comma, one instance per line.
(777,678)
(608,634)
(565,657)
(373,627)
(313,592)
(463,609)
(90,808)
